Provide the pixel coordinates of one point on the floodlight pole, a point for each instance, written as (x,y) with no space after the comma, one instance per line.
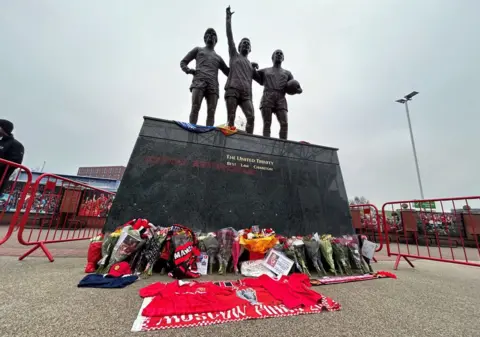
(405,102)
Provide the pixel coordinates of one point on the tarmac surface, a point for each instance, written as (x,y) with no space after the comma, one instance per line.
(39,298)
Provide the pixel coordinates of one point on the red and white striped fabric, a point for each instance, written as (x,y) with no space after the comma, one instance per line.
(258,298)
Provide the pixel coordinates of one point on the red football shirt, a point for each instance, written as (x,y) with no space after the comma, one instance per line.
(293,291)
(190,298)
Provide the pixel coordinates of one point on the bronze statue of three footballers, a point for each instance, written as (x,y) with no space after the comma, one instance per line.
(277,82)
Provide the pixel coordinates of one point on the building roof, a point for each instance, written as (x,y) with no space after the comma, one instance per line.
(106,184)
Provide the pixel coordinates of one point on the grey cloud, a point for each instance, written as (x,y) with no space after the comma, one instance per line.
(77,77)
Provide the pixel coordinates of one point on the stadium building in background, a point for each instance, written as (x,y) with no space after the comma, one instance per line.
(107,172)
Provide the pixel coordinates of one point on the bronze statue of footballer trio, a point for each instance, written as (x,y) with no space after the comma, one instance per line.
(238,90)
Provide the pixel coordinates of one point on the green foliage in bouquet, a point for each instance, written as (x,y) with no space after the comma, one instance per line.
(351,250)
(299,250)
(312,247)
(108,245)
(126,244)
(341,258)
(327,252)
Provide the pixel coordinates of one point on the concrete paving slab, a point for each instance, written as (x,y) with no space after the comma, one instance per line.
(38,298)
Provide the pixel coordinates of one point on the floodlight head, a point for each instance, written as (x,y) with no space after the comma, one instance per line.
(411,95)
(401,100)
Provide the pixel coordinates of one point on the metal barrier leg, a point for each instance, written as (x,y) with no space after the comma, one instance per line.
(409,262)
(397,262)
(39,245)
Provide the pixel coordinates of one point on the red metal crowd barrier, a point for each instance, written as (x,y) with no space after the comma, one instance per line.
(367,220)
(12,196)
(445,230)
(62,210)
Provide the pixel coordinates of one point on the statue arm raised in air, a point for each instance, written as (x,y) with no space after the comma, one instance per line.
(192,55)
(232,50)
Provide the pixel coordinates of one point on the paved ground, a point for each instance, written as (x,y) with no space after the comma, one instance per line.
(38,298)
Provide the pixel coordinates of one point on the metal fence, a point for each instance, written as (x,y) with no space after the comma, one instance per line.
(444,230)
(61,210)
(367,221)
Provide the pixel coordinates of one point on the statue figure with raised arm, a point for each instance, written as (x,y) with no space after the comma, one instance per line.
(205,76)
(276,82)
(238,89)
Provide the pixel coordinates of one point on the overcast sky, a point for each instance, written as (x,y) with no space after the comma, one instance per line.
(76,77)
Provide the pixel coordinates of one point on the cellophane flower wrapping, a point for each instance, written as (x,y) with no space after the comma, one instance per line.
(109,242)
(225,238)
(340,257)
(327,252)
(365,261)
(151,253)
(259,243)
(312,247)
(299,249)
(237,250)
(138,262)
(125,247)
(290,253)
(212,247)
(354,254)
(180,238)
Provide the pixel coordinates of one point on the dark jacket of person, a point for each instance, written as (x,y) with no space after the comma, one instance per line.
(11,150)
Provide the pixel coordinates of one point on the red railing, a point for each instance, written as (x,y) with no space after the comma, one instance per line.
(62,210)
(444,230)
(12,196)
(367,220)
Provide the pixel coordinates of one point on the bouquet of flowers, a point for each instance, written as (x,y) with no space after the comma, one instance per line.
(237,251)
(225,238)
(327,252)
(137,261)
(312,247)
(354,254)
(299,249)
(211,246)
(290,253)
(257,241)
(126,245)
(108,244)
(340,258)
(151,253)
(268,232)
(365,260)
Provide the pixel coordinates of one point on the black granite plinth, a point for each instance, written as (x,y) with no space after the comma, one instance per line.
(209,181)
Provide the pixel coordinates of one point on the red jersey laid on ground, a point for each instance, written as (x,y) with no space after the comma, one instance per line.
(178,298)
(293,291)
(182,298)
